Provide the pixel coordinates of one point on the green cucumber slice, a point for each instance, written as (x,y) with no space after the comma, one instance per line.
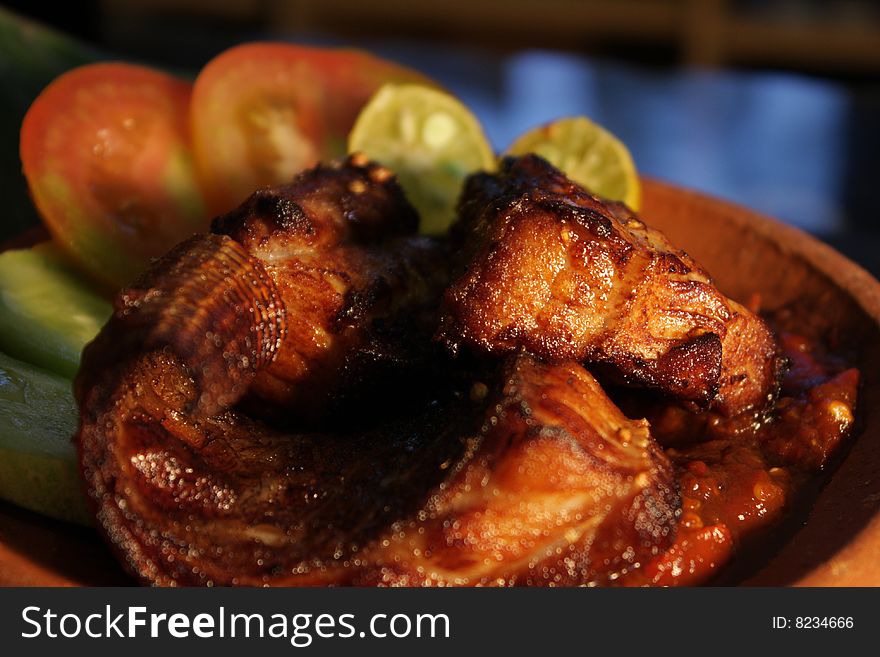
(38,462)
(47,313)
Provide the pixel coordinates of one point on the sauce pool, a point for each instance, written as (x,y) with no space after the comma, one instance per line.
(740,477)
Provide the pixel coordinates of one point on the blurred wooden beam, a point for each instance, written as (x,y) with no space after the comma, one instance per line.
(824,46)
(223,9)
(565,20)
(703,33)
(707,33)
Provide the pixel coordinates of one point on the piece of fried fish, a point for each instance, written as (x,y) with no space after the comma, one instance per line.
(545,266)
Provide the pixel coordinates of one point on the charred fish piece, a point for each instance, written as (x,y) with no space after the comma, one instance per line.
(349,295)
(546,266)
(359,287)
(536,479)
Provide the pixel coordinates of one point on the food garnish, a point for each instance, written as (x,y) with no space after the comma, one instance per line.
(38,465)
(263,112)
(430,140)
(588,154)
(105,150)
(47,312)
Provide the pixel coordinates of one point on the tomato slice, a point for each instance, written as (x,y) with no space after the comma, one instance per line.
(105,150)
(262,112)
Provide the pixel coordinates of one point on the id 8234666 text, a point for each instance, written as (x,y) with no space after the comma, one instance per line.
(813,622)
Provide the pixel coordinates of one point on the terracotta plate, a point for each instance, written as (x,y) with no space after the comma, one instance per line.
(825,295)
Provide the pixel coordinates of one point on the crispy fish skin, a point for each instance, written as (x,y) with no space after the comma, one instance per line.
(208,302)
(558,489)
(360,289)
(535,480)
(330,263)
(546,266)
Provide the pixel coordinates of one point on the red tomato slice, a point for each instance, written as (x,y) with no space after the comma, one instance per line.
(105,150)
(262,112)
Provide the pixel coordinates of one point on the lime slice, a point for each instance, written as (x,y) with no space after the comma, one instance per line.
(430,140)
(47,313)
(588,154)
(38,465)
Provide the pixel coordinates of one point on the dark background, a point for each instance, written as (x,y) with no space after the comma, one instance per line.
(774,104)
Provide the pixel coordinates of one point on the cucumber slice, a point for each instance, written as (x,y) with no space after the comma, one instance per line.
(38,462)
(47,313)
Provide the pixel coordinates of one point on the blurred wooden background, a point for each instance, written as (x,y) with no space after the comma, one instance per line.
(832,37)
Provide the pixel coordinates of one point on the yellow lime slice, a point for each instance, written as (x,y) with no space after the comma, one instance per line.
(588,154)
(430,140)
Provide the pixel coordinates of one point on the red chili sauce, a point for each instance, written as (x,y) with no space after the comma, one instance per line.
(740,477)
